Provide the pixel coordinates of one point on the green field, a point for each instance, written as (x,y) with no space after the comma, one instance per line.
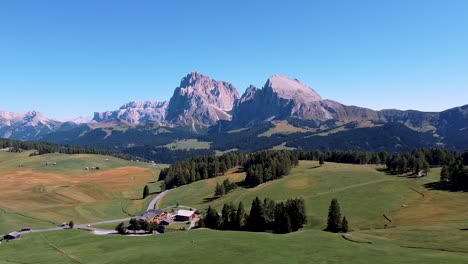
(352,185)
(207,246)
(427,225)
(37,195)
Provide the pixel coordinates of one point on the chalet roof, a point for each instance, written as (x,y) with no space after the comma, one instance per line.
(150,214)
(185,213)
(156,211)
(14,234)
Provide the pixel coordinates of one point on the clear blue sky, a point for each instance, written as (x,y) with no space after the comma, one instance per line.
(71,58)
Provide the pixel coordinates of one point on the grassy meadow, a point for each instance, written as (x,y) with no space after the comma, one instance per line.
(37,195)
(427,225)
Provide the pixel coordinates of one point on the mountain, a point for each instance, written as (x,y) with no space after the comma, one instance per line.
(280,98)
(206,115)
(26,126)
(136,112)
(200,101)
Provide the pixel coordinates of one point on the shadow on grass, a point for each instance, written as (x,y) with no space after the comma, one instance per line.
(209,199)
(314,167)
(444,186)
(398,174)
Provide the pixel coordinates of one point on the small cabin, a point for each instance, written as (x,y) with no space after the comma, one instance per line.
(184,215)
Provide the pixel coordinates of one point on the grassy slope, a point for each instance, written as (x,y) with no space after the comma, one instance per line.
(352,185)
(40,196)
(432,219)
(207,246)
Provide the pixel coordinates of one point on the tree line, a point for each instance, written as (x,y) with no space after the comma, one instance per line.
(45,148)
(199,168)
(434,156)
(456,173)
(281,218)
(264,166)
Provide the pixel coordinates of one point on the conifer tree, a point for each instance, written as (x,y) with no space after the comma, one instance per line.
(282,222)
(240,217)
(444,174)
(256,220)
(321,160)
(334,217)
(212,219)
(145,191)
(344,225)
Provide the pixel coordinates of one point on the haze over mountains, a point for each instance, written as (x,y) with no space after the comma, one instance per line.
(203,105)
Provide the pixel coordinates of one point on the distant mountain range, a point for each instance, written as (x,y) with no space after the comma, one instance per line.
(202,109)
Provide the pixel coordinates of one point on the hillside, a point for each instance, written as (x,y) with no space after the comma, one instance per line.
(40,196)
(416,234)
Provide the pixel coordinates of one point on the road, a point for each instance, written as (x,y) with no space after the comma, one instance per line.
(154,204)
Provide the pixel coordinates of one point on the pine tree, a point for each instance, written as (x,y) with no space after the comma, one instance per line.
(344,225)
(256,220)
(444,174)
(145,191)
(212,219)
(321,160)
(71,224)
(240,217)
(334,217)
(227,216)
(282,222)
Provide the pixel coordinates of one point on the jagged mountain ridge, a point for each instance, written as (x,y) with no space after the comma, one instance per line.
(25,126)
(200,104)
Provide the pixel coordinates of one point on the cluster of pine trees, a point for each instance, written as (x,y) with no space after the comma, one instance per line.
(283,217)
(415,163)
(456,173)
(225,187)
(264,166)
(45,148)
(199,168)
(335,223)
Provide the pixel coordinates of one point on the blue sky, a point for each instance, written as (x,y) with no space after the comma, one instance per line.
(71,58)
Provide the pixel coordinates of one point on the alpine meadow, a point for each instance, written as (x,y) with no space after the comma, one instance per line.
(234,132)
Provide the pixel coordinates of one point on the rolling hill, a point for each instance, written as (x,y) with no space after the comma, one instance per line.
(40,196)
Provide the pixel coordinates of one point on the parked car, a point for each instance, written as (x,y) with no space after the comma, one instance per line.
(24,229)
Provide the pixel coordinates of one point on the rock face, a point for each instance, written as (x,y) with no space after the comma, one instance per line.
(280,98)
(25,126)
(136,112)
(200,101)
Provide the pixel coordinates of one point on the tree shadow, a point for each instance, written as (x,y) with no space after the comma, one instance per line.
(209,199)
(387,172)
(314,167)
(444,186)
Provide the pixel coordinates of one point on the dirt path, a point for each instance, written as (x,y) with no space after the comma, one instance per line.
(60,251)
(353,186)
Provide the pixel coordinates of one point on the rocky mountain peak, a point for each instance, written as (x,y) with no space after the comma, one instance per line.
(136,112)
(288,88)
(200,100)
